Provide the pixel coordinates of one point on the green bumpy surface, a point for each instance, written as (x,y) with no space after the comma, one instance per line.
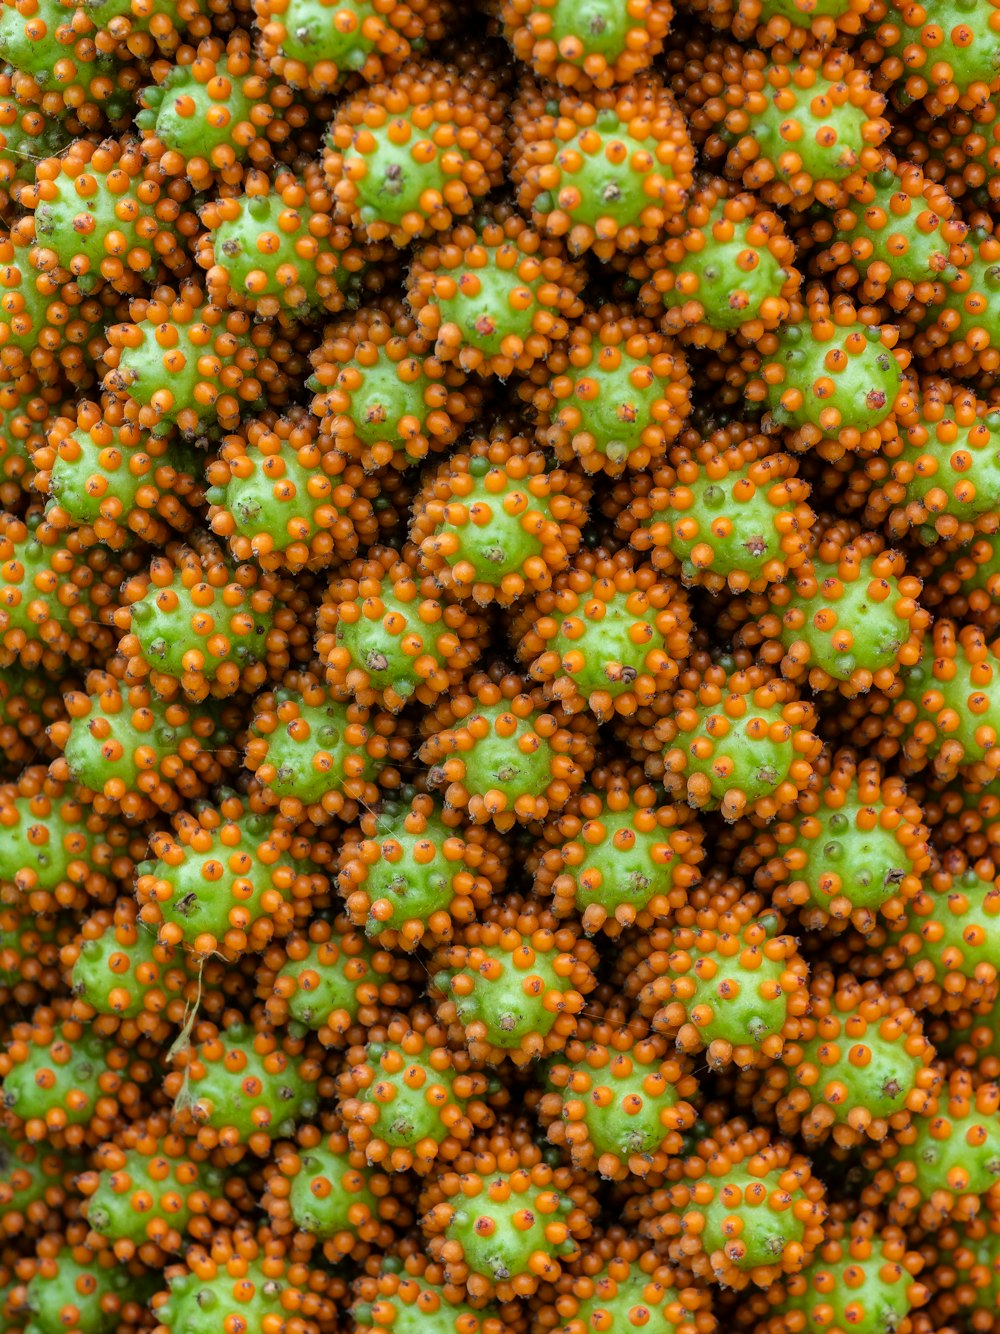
(312,36)
(747,1016)
(631,1123)
(165,635)
(94,977)
(224,1097)
(864,390)
(297,775)
(194,135)
(327,1191)
(414,889)
(502,545)
(335,988)
(497,763)
(637,1302)
(766,1230)
(114,1213)
(49,860)
(608,189)
(413,1113)
(925,258)
(390,391)
(868,1296)
(612,655)
(429,1312)
(235,245)
(481,306)
(952,477)
(753,540)
(83,1287)
(602,26)
(28,1171)
(878,632)
(624,406)
(970,937)
(23,147)
(201,900)
(380,653)
(977,61)
(934,1157)
(882,1086)
(57,227)
(630,874)
(85,757)
(143,371)
(503,1251)
(40,576)
(81,486)
(729,294)
(957,693)
(392,183)
(869,862)
(801,12)
(824,161)
(265,503)
(758,764)
(28,1099)
(508,1012)
(218,1305)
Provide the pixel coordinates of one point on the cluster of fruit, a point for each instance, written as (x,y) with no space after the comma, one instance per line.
(499,697)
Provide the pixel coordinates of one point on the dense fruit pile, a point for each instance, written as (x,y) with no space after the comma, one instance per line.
(499,667)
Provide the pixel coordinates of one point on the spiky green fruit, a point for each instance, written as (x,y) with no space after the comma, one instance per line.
(235,1286)
(381,392)
(599,42)
(498,753)
(510,1228)
(403,1099)
(333,982)
(277,251)
(227,878)
(27,136)
(800,130)
(895,238)
(738,743)
(411,869)
(406,156)
(857,1066)
(318,44)
(941,477)
(945,1160)
(621,1284)
(84,1291)
(102,214)
(854,845)
(243,1086)
(330,1192)
(758,1212)
(609,634)
(495,522)
(830,383)
(862,1281)
(149,1187)
(54,595)
(140,751)
(493,296)
(947,54)
(607,170)
(201,377)
(731,268)
(505,986)
(119,968)
(725,979)
(615,856)
(739,519)
(198,623)
(949,701)
(851,618)
(615,395)
(287,498)
(309,749)
(54,1077)
(388,636)
(619,1109)
(35,1185)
